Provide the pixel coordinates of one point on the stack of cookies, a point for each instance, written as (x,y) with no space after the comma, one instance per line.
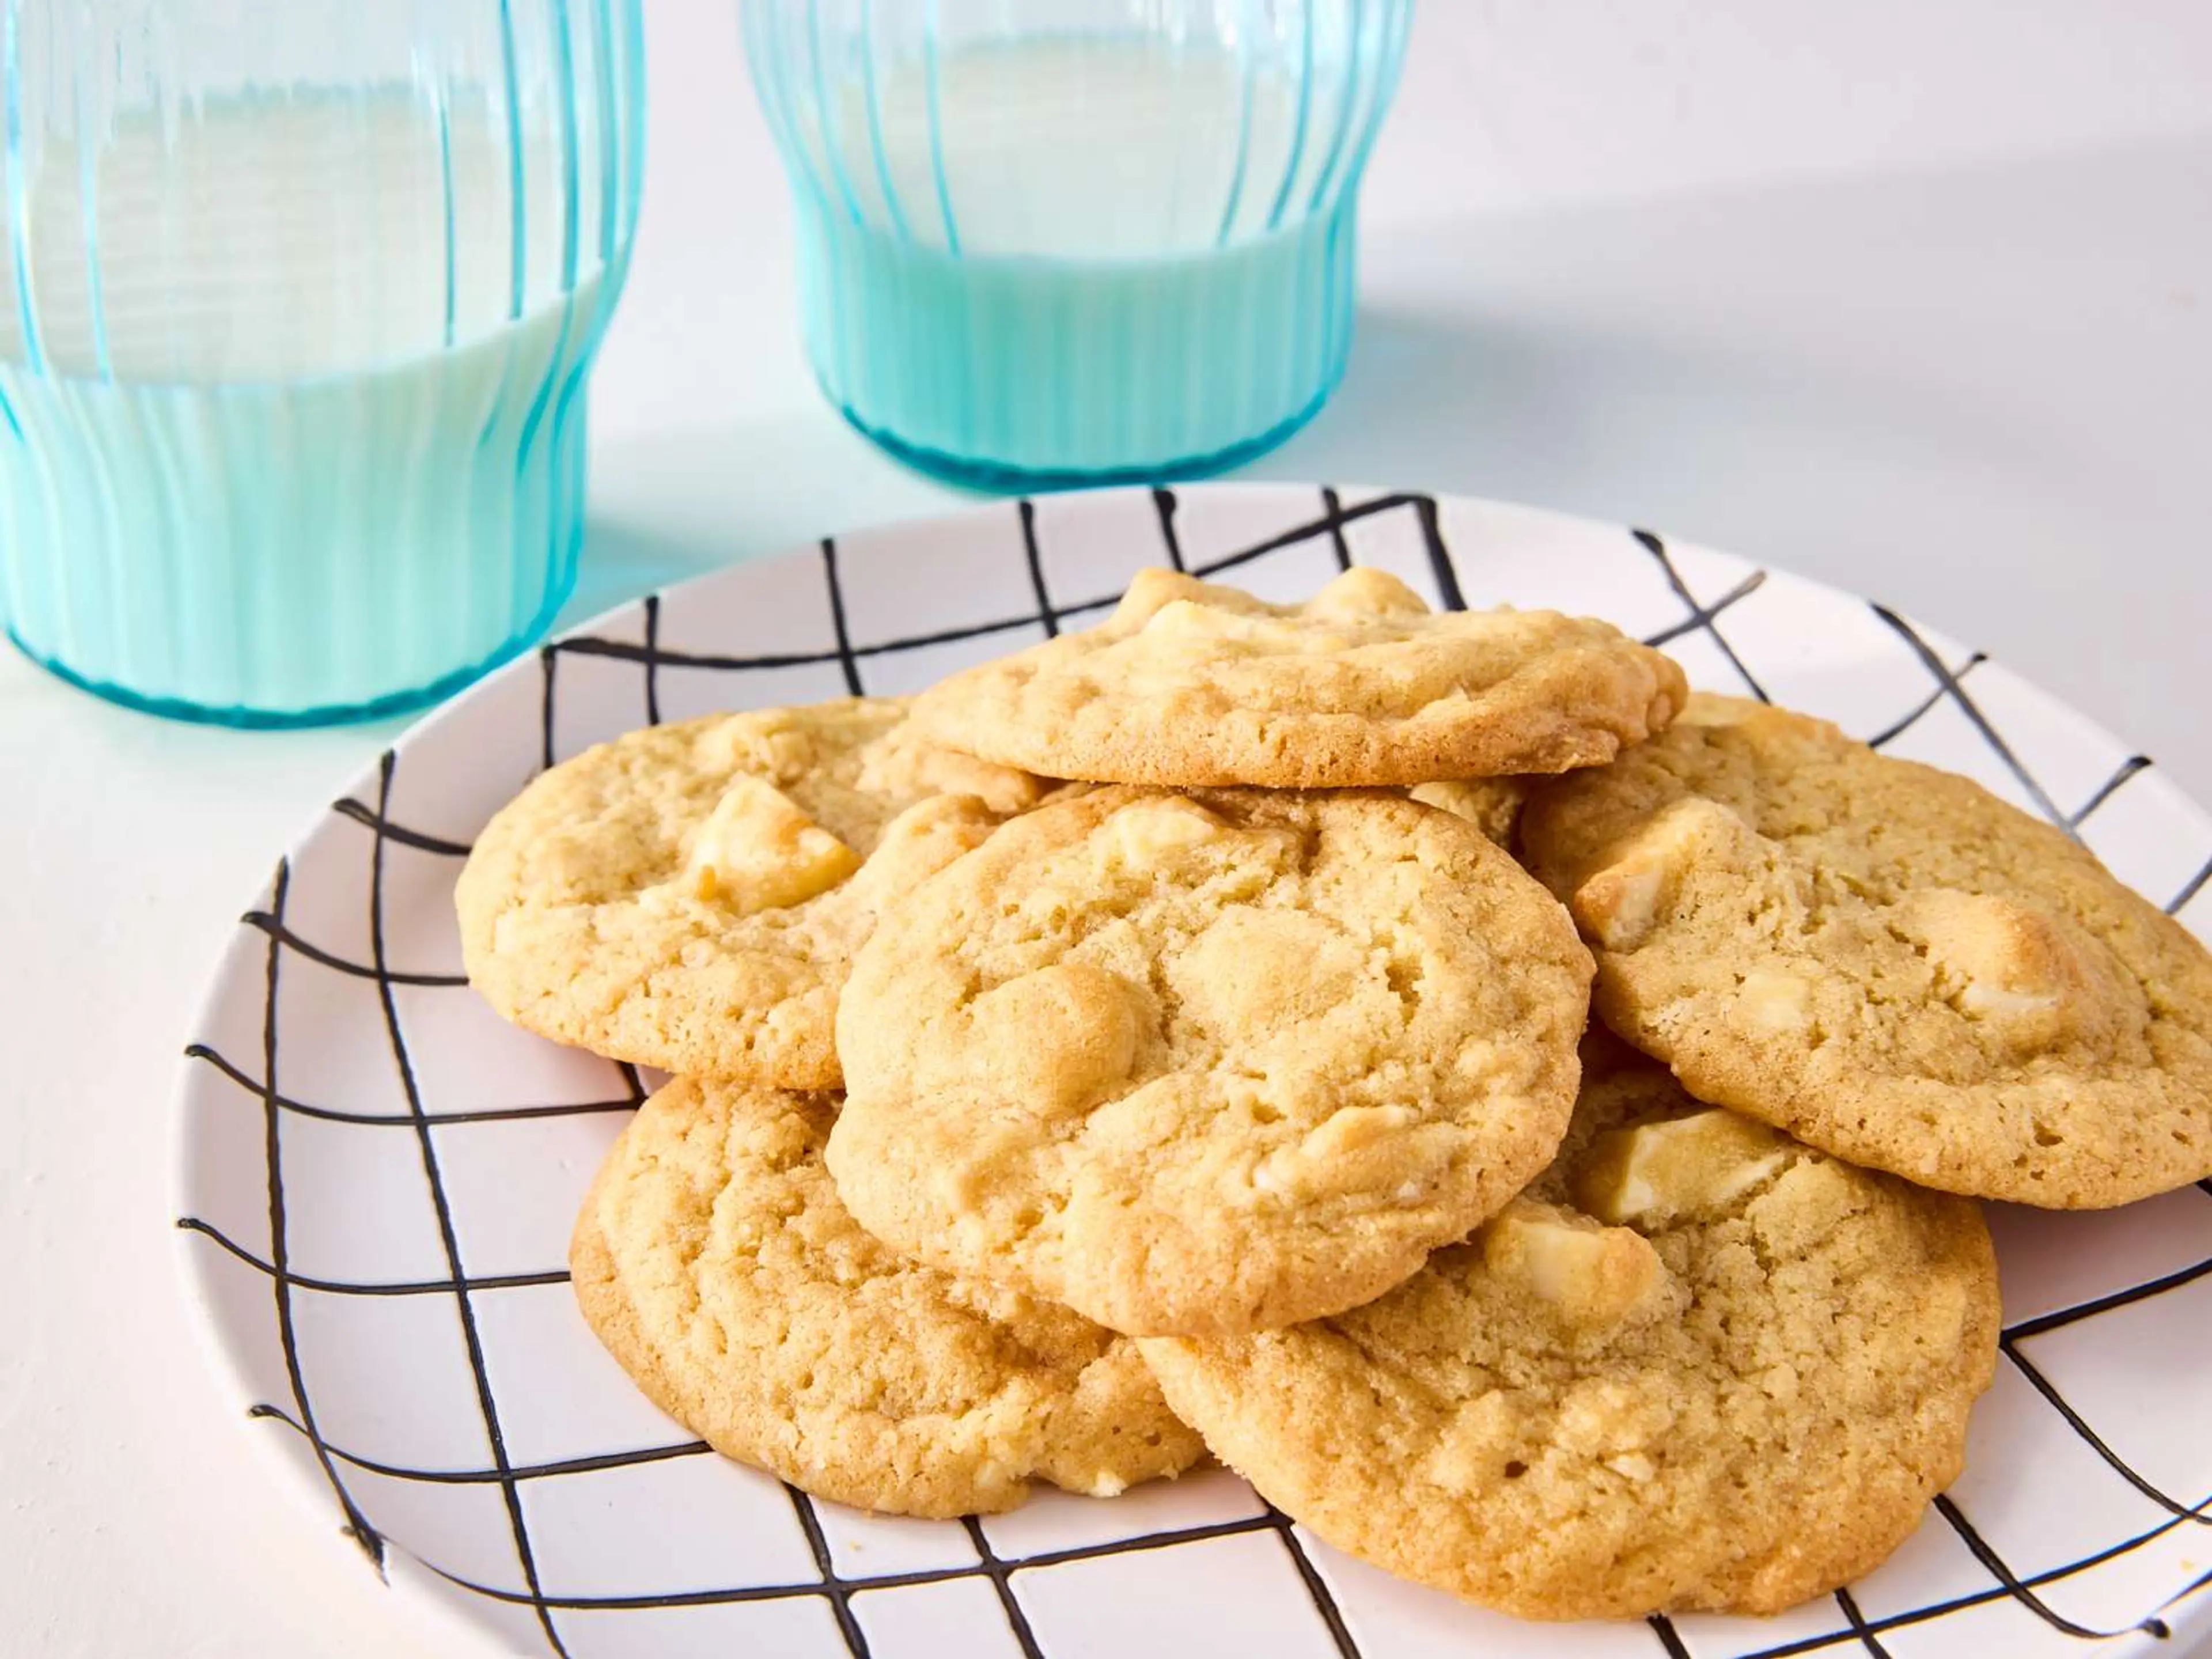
(1178,1038)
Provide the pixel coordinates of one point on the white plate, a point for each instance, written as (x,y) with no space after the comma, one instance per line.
(378,1176)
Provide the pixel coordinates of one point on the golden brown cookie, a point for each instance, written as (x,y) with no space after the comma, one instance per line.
(1697,1366)
(1190,683)
(688,897)
(1885,960)
(1208,1063)
(712,1259)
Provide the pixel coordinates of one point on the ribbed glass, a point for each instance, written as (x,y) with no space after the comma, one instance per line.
(1049,242)
(297,302)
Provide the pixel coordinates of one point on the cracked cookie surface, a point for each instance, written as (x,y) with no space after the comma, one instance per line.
(690,895)
(1208,1063)
(712,1259)
(1698,1365)
(1885,960)
(1192,683)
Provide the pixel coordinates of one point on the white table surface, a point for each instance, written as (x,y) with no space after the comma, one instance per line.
(1925,311)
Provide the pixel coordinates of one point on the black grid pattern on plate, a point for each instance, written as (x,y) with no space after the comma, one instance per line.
(1854,1628)
(449,1237)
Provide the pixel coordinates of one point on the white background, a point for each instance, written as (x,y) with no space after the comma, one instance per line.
(1914,298)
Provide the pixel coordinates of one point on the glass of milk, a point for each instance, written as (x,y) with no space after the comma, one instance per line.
(1051,242)
(297,302)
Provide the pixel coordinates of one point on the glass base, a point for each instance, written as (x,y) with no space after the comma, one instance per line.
(996,478)
(296,552)
(1008,372)
(280,719)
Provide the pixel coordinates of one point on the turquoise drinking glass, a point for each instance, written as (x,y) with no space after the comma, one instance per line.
(297,303)
(1057,242)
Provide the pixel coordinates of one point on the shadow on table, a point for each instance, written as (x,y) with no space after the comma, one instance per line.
(621,561)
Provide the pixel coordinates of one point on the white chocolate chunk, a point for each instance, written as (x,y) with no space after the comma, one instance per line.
(1595,1276)
(1490,805)
(1985,1001)
(2028,977)
(1773,1003)
(1620,904)
(758,851)
(1362,1151)
(1155,834)
(1678,1168)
